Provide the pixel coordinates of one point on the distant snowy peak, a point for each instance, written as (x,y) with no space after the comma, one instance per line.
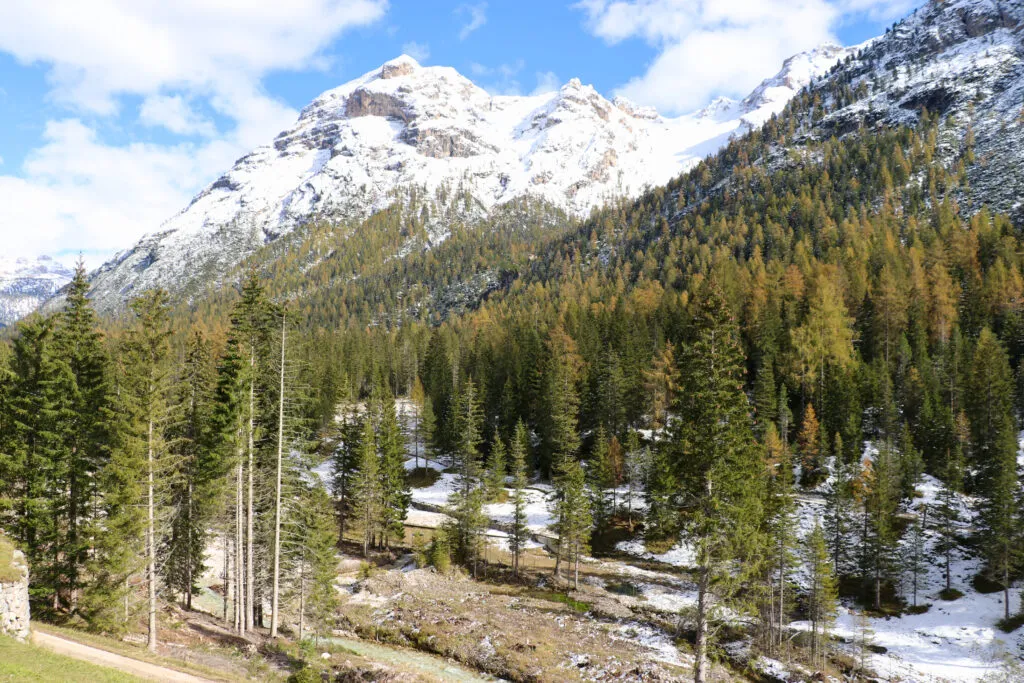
(358,147)
(771,96)
(26,283)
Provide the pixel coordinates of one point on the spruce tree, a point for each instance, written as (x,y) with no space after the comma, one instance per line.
(600,480)
(822,593)
(712,449)
(947,518)
(395,495)
(496,469)
(1000,533)
(466,502)
(147,401)
(367,491)
(81,346)
(519,533)
(196,489)
(573,515)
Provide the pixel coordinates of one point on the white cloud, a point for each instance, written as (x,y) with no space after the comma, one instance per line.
(75,191)
(706,47)
(547,81)
(175,114)
(476,16)
(418,51)
(80,193)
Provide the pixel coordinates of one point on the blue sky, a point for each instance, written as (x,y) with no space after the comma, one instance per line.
(114,113)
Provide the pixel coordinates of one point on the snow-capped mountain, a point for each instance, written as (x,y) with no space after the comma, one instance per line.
(355,148)
(25,284)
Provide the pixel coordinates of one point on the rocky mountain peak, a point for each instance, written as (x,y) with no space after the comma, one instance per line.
(356,148)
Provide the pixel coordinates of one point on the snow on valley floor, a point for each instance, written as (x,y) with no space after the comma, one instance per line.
(954,641)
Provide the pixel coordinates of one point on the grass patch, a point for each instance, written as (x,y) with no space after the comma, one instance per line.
(1012,624)
(8,572)
(422,477)
(950,594)
(575,605)
(24,662)
(919,609)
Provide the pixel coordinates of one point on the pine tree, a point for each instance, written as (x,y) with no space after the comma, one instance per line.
(317,565)
(713,450)
(915,561)
(637,460)
(146,400)
(418,397)
(343,444)
(822,593)
(81,346)
(880,507)
(428,427)
(600,479)
(562,438)
(809,447)
(780,506)
(572,515)
(839,516)
(496,469)
(367,494)
(395,495)
(660,385)
(196,490)
(41,411)
(1000,534)
(519,533)
(466,502)
(947,517)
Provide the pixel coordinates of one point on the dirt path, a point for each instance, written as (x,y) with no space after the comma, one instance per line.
(128,665)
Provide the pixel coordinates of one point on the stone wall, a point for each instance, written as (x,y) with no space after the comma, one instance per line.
(14,612)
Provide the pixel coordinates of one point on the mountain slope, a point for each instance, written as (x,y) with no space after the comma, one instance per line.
(25,284)
(407,128)
(962,60)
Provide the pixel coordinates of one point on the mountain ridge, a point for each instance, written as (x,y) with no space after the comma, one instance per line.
(405,126)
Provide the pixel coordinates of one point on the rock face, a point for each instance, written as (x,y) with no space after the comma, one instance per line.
(25,284)
(14,608)
(405,127)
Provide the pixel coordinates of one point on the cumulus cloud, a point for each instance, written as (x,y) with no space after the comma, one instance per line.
(174,113)
(547,81)
(418,51)
(475,16)
(77,192)
(180,58)
(706,47)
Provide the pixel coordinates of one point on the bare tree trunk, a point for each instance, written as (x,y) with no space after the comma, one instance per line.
(302,598)
(188,565)
(226,574)
(277,490)
(700,666)
(239,552)
(250,571)
(151,544)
